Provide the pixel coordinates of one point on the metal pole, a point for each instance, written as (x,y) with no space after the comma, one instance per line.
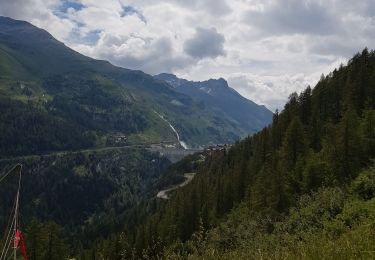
(16,212)
(15,229)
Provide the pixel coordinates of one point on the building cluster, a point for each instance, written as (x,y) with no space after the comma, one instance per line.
(117,140)
(219,147)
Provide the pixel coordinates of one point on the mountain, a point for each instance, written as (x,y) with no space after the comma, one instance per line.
(223,101)
(53,98)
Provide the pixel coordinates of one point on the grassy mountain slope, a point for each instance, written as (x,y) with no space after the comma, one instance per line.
(89,99)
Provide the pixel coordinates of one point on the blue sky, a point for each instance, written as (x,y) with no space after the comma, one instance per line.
(129,10)
(65,5)
(266,49)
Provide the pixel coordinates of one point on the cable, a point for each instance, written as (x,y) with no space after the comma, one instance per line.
(8,242)
(9,246)
(9,227)
(6,174)
(16,210)
(14,222)
(10,218)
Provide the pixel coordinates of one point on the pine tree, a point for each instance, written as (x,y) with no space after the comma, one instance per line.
(294,143)
(349,145)
(305,103)
(55,247)
(33,240)
(367,129)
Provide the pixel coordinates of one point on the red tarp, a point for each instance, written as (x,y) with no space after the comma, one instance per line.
(18,243)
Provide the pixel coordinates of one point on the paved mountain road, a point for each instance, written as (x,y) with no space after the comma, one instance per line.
(163,194)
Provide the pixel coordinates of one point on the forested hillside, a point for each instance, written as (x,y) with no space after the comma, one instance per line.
(300,188)
(80,196)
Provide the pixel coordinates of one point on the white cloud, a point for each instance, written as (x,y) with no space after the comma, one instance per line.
(39,13)
(271,47)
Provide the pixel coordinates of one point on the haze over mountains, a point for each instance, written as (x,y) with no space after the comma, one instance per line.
(93,100)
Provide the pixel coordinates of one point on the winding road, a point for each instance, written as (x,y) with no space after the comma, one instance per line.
(163,194)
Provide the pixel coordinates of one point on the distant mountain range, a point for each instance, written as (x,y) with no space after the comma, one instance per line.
(54,98)
(222,100)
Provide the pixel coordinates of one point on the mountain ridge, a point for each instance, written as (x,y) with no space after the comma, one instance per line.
(220,98)
(95,99)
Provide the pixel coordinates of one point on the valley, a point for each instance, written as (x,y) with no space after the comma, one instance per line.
(168,150)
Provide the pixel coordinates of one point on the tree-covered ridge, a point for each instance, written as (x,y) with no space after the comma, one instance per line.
(84,193)
(29,129)
(322,138)
(330,223)
(74,112)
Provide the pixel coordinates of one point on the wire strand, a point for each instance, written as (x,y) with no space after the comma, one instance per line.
(9,246)
(10,219)
(8,242)
(8,239)
(14,222)
(9,172)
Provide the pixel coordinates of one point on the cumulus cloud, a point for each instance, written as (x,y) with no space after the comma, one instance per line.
(269,90)
(265,48)
(205,43)
(137,53)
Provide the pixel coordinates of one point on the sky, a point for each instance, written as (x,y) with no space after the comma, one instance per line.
(265,49)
